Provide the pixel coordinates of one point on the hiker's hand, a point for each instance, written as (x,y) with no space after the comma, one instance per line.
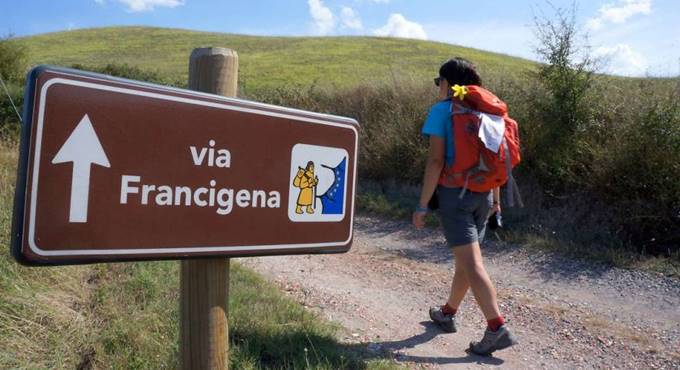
(496,207)
(419,219)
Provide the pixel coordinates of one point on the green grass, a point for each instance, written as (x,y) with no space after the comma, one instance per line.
(125,315)
(265,62)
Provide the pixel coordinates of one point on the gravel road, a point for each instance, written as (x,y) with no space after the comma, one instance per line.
(566,313)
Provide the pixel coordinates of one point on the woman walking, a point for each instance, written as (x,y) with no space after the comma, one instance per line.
(463,212)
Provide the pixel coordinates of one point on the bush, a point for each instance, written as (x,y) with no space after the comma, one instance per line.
(12,68)
(639,172)
(12,60)
(9,122)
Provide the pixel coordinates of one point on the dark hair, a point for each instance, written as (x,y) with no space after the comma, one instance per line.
(309,164)
(460,71)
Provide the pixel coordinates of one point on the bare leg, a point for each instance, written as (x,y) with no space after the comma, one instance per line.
(470,257)
(459,286)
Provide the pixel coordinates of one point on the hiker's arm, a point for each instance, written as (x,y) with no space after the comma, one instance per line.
(433,169)
(496,200)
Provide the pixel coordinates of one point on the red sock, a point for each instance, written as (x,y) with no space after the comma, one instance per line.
(496,323)
(448,310)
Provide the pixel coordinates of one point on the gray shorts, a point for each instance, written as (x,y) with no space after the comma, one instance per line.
(463,220)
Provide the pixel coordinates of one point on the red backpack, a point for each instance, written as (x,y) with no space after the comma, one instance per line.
(485,142)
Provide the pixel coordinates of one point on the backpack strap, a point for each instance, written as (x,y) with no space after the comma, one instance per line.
(464,190)
(457,108)
(512,189)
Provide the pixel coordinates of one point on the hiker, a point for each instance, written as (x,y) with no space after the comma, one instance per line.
(463,212)
(306,181)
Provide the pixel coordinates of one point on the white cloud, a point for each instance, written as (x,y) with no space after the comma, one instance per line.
(324,21)
(100,2)
(622,60)
(619,12)
(350,19)
(398,26)
(147,5)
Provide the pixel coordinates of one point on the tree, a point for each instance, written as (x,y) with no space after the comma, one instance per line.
(567,76)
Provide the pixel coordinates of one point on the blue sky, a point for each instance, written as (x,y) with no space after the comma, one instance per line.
(636,37)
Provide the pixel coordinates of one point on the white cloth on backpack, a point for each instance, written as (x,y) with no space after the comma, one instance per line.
(491,131)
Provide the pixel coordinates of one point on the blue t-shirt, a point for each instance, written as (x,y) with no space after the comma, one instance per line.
(438,123)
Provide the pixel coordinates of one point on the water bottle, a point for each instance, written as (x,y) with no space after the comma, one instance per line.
(495,221)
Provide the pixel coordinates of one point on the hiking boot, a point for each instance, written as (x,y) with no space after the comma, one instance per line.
(493,341)
(445,321)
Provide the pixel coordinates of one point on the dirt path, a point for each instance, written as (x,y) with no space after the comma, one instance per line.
(566,314)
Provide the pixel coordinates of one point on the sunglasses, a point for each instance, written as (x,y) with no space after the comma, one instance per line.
(438,80)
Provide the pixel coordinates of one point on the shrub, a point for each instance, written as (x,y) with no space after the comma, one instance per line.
(12,60)
(562,108)
(640,172)
(12,68)
(9,122)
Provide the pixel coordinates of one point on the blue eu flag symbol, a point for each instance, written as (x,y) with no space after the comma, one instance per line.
(333,200)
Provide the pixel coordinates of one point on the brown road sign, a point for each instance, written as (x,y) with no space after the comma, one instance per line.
(115,170)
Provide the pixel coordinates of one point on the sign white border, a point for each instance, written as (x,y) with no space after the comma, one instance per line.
(170,250)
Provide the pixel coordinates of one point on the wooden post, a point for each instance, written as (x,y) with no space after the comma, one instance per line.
(204,283)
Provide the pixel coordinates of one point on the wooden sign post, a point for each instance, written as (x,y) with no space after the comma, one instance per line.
(204,283)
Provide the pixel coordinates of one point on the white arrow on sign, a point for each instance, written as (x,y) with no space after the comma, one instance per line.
(83,149)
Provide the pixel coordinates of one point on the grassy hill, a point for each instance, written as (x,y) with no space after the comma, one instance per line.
(264,61)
